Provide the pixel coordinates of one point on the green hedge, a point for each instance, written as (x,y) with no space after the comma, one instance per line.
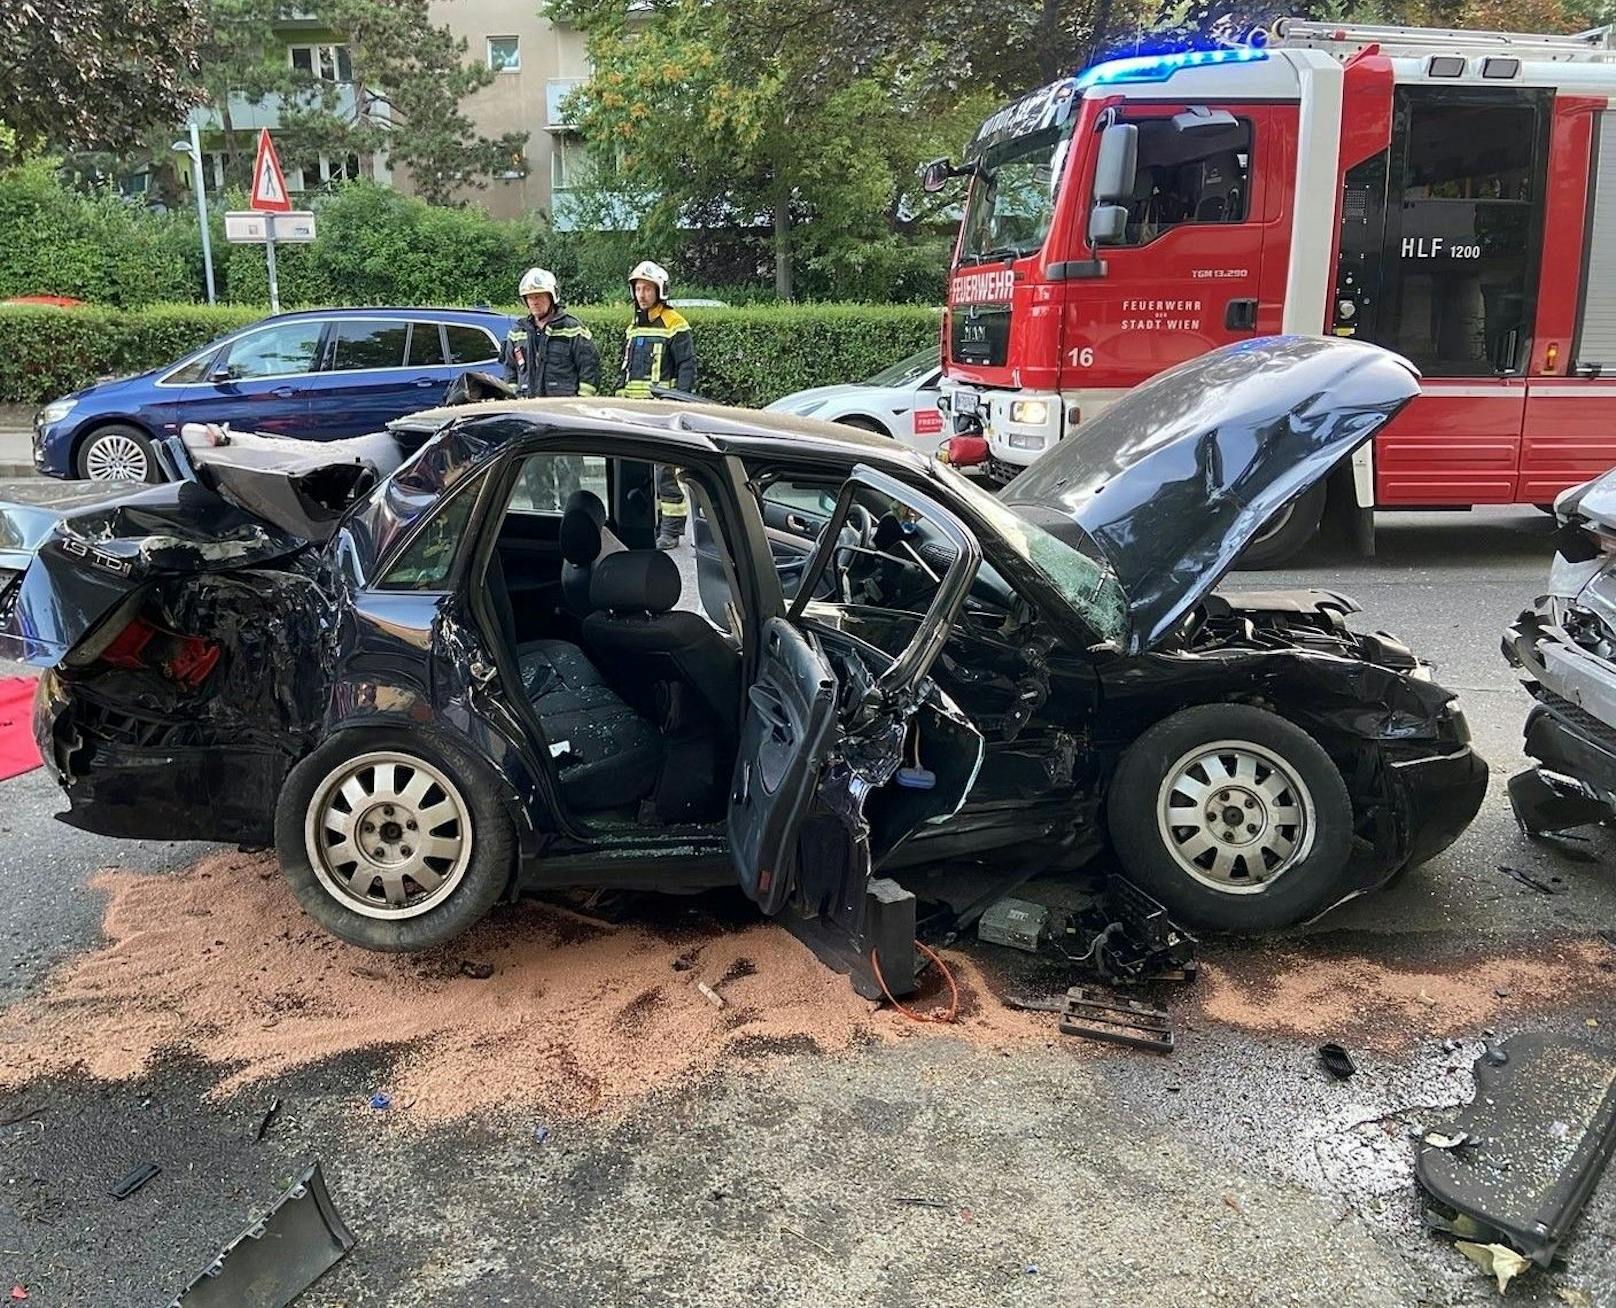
(744,356)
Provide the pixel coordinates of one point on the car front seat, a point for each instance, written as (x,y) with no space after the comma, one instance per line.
(646,648)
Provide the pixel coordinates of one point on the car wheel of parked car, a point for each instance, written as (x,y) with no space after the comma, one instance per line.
(1233,817)
(1284,535)
(864,424)
(391,842)
(117,453)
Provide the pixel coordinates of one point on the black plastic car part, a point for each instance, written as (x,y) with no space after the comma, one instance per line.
(279,1256)
(1538,1135)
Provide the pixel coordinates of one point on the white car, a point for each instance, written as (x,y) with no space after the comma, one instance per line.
(900,401)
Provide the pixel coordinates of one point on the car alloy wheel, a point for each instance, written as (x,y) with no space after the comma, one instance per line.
(116,457)
(1235,815)
(388,835)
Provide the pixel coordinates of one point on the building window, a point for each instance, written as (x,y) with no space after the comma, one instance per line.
(504,54)
(320,169)
(515,168)
(330,63)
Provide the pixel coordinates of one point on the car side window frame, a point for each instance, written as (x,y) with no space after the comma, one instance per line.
(475,485)
(322,348)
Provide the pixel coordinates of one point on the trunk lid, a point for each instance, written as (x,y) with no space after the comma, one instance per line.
(1172,481)
(70,556)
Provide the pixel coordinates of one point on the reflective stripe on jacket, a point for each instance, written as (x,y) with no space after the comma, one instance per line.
(659,351)
(557,359)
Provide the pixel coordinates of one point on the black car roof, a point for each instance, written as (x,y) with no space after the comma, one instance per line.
(714,427)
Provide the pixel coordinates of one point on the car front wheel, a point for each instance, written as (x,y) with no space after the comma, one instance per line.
(117,453)
(392,842)
(1233,817)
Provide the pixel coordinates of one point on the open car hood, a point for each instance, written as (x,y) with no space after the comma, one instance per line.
(1176,478)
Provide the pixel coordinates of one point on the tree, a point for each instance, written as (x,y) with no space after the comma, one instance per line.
(810,119)
(93,74)
(399,93)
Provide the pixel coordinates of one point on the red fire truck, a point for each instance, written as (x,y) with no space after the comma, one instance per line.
(1449,195)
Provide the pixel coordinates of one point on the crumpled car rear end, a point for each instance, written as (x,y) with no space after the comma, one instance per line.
(1566,647)
(180,637)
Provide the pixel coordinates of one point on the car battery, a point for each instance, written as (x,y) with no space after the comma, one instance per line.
(1018,923)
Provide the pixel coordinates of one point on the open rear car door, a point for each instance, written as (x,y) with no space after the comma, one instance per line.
(846,749)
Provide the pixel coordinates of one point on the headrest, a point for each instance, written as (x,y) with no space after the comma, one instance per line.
(635,581)
(581,523)
(589,502)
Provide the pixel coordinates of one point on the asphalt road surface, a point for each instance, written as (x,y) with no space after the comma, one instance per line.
(1231,1171)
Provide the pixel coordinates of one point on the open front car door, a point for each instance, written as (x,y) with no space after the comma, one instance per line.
(846,748)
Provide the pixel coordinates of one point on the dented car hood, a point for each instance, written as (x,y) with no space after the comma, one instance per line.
(69,557)
(1172,481)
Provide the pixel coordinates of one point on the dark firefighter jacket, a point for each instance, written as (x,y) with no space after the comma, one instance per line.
(659,352)
(556,359)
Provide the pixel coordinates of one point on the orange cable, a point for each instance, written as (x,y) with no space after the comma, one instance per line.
(953,989)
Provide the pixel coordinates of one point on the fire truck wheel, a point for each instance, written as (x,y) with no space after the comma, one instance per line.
(1233,817)
(1284,534)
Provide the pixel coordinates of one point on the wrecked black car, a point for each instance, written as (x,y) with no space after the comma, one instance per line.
(479,678)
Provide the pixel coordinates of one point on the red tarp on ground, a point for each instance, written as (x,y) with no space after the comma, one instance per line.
(18,753)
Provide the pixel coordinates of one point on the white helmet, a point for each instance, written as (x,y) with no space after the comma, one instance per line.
(655,273)
(538,281)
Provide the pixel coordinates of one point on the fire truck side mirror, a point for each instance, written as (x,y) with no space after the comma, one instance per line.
(1108,224)
(1114,166)
(934,176)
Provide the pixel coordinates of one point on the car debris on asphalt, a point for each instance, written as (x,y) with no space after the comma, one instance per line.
(270,1114)
(134,1180)
(278,1256)
(1336,1061)
(1512,1173)
(1095,1015)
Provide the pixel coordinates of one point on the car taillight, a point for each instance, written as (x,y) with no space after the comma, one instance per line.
(186,660)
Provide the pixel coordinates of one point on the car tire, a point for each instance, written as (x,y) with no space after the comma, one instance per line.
(108,451)
(1283,535)
(1283,866)
(863,424)
(345,785)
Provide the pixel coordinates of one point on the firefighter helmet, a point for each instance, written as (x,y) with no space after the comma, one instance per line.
(538,281)
(655,273)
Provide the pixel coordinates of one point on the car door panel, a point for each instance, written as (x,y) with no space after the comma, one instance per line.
(829,724)
(261,381)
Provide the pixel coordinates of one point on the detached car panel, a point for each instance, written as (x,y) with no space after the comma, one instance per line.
(441,684)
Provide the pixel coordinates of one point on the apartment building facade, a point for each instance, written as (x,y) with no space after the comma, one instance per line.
(536,65)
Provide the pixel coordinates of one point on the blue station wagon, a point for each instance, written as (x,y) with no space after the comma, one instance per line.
(322,374)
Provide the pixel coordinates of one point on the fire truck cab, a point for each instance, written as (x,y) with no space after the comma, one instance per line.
(1449,195)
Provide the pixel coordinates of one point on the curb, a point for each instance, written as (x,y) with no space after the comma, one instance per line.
(14,470)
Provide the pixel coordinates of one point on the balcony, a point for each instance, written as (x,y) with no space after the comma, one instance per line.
(248,115)
(556,90)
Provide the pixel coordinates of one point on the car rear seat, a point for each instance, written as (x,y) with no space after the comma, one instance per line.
(612,755)
(607,754)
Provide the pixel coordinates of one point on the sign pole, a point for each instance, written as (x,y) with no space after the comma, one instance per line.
(269,259)
(202,207)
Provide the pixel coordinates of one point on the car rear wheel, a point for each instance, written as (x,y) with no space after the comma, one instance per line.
(1234,818)
(1283,535)
(117,453)
(393,842)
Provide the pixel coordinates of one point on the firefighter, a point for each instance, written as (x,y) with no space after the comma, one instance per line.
(549,352)
(659,351)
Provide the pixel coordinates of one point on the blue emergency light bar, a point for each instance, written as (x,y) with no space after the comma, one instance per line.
(1158,68)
